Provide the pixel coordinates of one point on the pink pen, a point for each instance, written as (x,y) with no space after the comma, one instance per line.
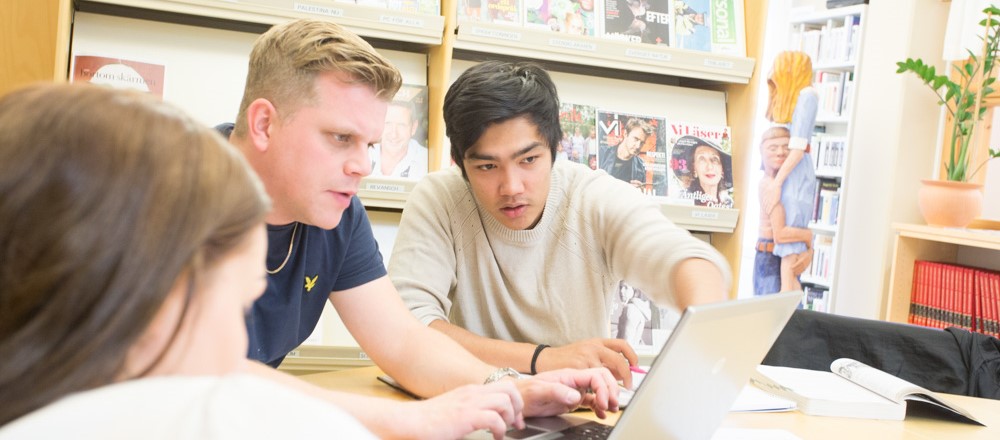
(636,369)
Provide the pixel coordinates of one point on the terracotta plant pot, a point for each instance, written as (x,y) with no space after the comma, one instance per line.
(950,204)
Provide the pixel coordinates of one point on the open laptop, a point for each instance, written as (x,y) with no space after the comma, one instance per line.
(695,378)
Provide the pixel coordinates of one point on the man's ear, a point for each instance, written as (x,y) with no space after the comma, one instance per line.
(261,116)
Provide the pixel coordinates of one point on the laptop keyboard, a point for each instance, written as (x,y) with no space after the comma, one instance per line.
(588,431)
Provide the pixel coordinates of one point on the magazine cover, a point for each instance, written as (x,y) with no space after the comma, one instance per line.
(403,150)
(471,10)
(701,165)
(710,26)
(637,320)
(638,21)
(118,73)
(632,148)
(574,17)
(501,11)
(579,141)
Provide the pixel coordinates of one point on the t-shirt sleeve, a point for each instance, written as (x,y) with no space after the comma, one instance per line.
(362,260)
(803,119)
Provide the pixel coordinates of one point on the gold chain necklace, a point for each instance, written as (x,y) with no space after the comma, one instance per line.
(289,254)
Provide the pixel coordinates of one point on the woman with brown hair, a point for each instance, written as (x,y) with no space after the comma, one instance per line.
(132,241)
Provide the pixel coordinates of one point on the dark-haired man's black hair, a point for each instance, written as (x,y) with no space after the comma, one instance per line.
(494,92)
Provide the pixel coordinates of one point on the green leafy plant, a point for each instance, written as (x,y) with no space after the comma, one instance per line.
(964,99)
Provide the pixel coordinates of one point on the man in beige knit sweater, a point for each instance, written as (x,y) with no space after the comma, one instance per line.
(512,252)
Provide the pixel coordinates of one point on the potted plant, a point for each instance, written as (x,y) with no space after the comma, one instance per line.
(964,102)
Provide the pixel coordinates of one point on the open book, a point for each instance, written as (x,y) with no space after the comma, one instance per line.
(853,389)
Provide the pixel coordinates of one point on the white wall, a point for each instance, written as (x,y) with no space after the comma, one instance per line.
(896,136)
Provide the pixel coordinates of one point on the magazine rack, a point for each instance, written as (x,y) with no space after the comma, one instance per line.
(596,52)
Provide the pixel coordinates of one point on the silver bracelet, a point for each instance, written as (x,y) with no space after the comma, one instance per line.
(502,373)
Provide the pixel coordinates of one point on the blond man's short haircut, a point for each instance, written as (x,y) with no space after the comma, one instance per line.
(285,61)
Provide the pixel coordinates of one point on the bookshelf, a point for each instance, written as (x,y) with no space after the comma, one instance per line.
(977,247)
(833,39)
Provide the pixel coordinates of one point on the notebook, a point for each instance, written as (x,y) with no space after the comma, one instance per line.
(693,381)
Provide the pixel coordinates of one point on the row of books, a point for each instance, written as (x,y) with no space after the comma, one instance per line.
(834,90)
(822,262)
(833,42)
(948,295)
(816,298)
(704,25)
(828,155)
(826,202)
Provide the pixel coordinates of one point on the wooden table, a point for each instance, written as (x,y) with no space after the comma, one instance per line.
(363,381)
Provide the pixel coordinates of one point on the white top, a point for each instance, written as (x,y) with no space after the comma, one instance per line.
(552,284)
(414,164)
(237,407)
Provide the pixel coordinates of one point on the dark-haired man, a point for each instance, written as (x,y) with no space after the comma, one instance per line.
(511,251)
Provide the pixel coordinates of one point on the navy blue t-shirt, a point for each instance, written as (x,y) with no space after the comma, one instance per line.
(287,312)
(322,261)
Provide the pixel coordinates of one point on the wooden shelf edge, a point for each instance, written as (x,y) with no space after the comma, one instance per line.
(598,52)
(963,237)
(702,219)
(385,24)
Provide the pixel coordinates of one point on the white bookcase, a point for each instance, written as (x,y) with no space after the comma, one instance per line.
(832,38)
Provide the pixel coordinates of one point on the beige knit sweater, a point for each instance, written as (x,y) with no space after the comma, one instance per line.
(552,284)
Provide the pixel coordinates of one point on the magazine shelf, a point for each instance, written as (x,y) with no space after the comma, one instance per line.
(526,43)
(400,26)
(385,192)
(701,218)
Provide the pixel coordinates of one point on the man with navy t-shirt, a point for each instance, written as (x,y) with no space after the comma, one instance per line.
(315,100)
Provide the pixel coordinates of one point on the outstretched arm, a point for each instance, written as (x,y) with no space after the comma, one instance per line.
(803,122)
(452,415)
(788,234)
(614,354)
(430,363)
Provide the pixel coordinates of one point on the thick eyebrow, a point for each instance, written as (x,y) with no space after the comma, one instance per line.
(479,156)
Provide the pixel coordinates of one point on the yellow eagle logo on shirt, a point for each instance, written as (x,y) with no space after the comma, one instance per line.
(311,282)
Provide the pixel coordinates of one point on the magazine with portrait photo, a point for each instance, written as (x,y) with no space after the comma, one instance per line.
(632,148)
(638,21)
(402,151)
(701,165)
